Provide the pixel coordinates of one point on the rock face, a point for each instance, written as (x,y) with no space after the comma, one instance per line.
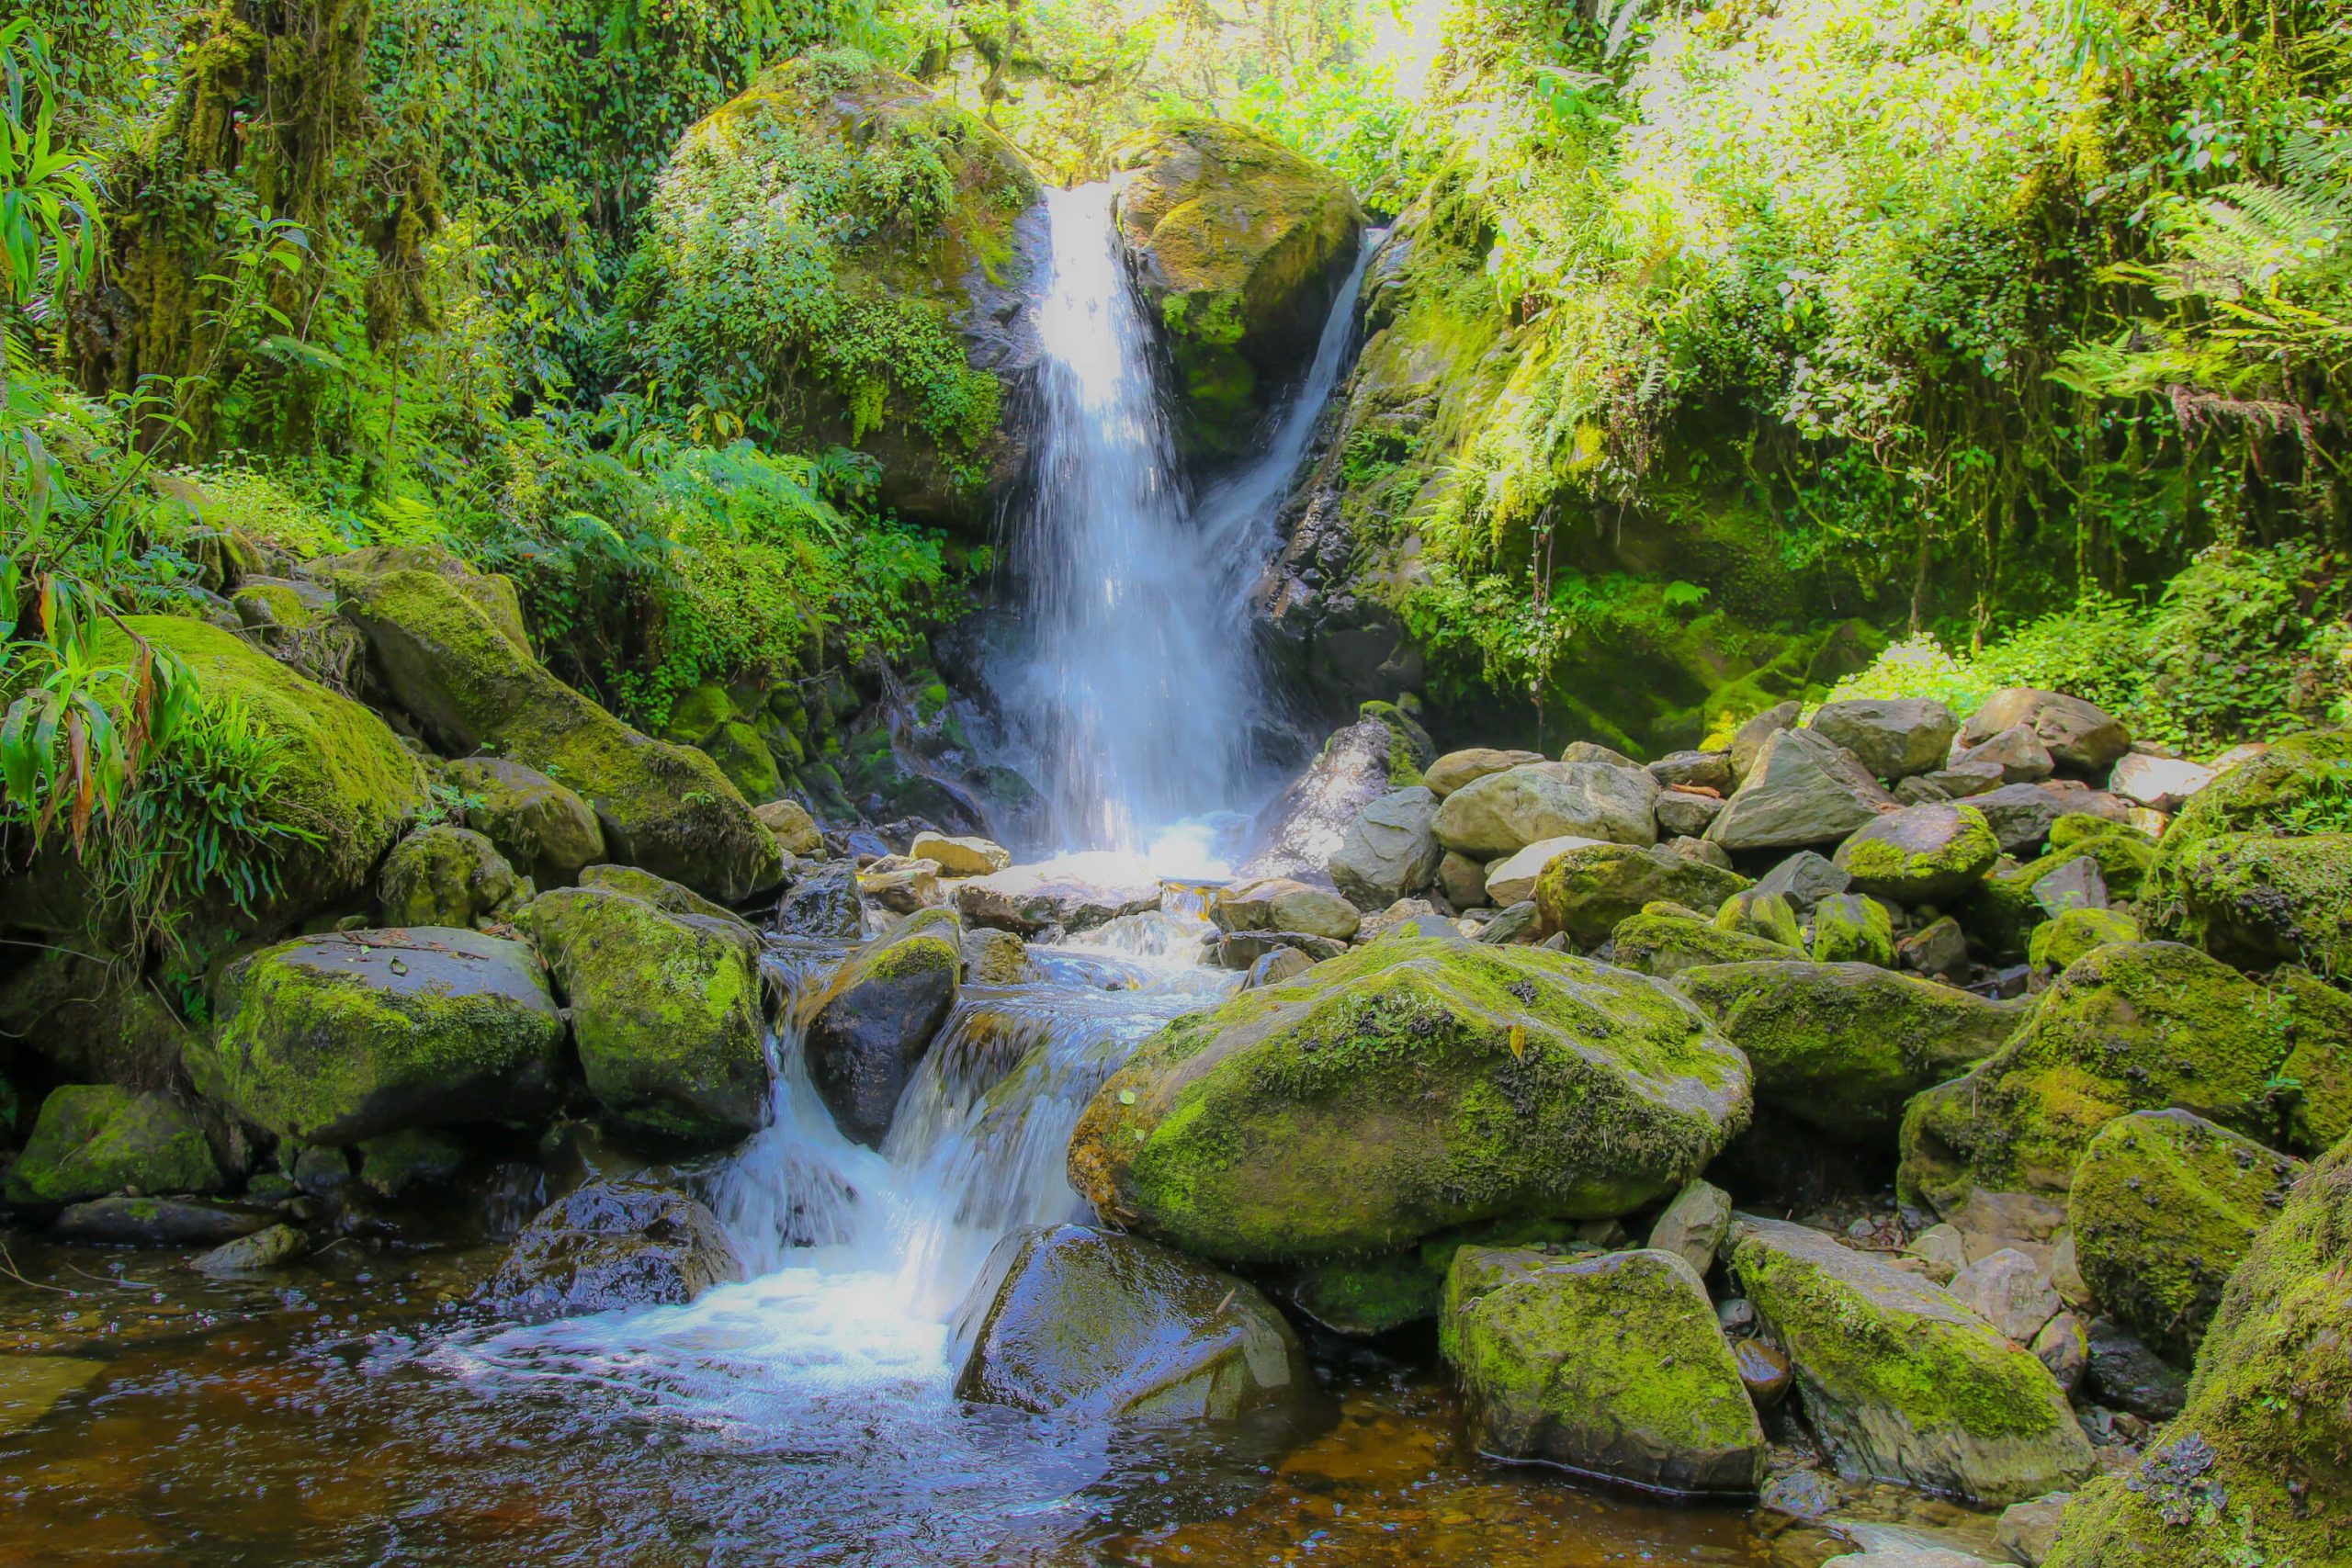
(1303,828)
(93,1139)
(1893,737)
(2140,1026)
(443,877)
(1920,854)
(1416,1084)
(2165,1205)
(2266,1439)
(1075,892)
(1609,1366)
(1586,892)
(614,1244)
(879,1017)
(1804,789)
(1506,812)
(667,1012)
(1390,850)
(1238,243)
(337,1039)
(446,643)
(1901,1382)
(545,830)
(2257,899)
(1065,1321)
(1843,1046)
(2077,734)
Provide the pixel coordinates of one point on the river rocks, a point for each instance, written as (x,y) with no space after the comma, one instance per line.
(823,904)
(158,1222)
(1900,1380)
(1273,968)
(2060,942)
(1455,769)
(1765,915)
(1278,904)
(332,1040)
(2256,899)
(1893,737)
(93,1139)
(2125,1373)
(1244,950)
(2265,1442)
(614,1244)
(1585,892)
(1843,1046)
(1302,829)
(1920,854)
(992,957)
(2165,783)
(2142,1026)
(1804,879)
(1415,1085)
(1237,243)
(449,657)
(1064,1321)
(877,1018)
(2077,734)
(2016,755)
(1804,789)
(667,1012)
(1850,929)
(1390,850)
(1512,879)
(1694,1226)
(1661,943)
(1075,892)
(545,830)
(2164,1204)
(1505,812)
(2009,1290)
(799,837)
(1684,813)
(2021,816)
(2279,789)
(960,857)
(1463,881)
(1699,770)
(2029,1530)
(256,1254)
(1609,1366)
(443,877)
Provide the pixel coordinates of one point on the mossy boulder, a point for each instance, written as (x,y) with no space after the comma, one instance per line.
(1661,943)
(443,877)
(878,1016)
(1901,1382)
(93,1139)
(1850,929)
(1587,891)
(1239,244)
(96,1022)
(637,883)
(1066,1321)
(2299,784)
(2136,1026)
(1842,1046)
(1611,1366)
(545,830)
(2256,899)
(461,674)
(1413,1086)
(1920,854)
(2006,907)
(2060,943)
(2257,1466)
(1757,913)
(333,1040)
(2164,1204)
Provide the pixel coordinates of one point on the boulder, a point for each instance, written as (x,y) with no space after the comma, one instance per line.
(2022,815)
(823,906)
(1064,1321)
(2077,734)
(1273,968)
(796,832)
(2061,943)
(2288,788)
(2125,1373)
(901,885)
(960,857)
(1414,1085)
(1804,789)
(1694,1226)
(1901,1382)
(1919,854)
(1390,850)
(877,1018)
(1767,915)
(2062,1345)
(1462,881)
(1965,779)
(1850,929)
(1747,742)
(95,1021)
(2164,782)
(2009,1290)
(2256,900)
(2016,755)
(1893,737)
(2164,1206)
(1586,892)
(1701,770)
(614,1244)
(1662,944)
(1455,769)
(2005,910)
(1278,904)
(1503,813)
(668,1013)
(256,1254)
(1511,879)
(443,877)
(545,830)
(1699,850)
(455,666)
(1804,879)
(2029,1530)
(1243,950)
(666,895)
(1302,829)
(2076,885)
(93,1139)
(159,1222)
(1842,1047)
(1687,814)
(332,1040)
(1939,950)
(992,957)
(1075,892)
(1609,1366)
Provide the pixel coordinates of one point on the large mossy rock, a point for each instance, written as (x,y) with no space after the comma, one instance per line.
(97,1023)
(2136,1026)
(2257,1466)
(668,1012)
(545,830)
(610,1244)
(455,666)
(1901,1381)
(2164,1204)
(443,877)
(1921,854)
(2299,784)
(2256,899)
(878,1016)
(1413,1086)
(858,251)
(1662,944)
(93,1139)
(1066,1321)
(337,1039)
(1587,891)
(1503,813)
(1843,1046)
(1239,244)
(1611,1366)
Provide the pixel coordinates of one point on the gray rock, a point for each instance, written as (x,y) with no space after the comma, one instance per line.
(1804,879)
(1747,742)
(1687,814)
(1893,737)
(1702,852)
(967,856)
(1463,880)
(1939,950)
(2125,1373)
(1503,813)
(1694,1225)
(1920,854)
(158,1222)
(1593,751)
(1803,790)
(2077,734)
(1299,832)
(1390,850)
(2164,782)
(2077,884)
(2009,1289)
(1455,769)
(2064,1345)
(1916,791)
(1707,770)
(824,906)
(2028,1531)
(1511,924)
(1961,780)
(1280,904)
(614,1244)
(1242,949)
(1512,878)
(1273,968)
(877,1019)
(2020,814)
(2014,756)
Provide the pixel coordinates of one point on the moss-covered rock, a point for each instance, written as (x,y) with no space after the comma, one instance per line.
(93,1139)
(1920,854)
(2299,784)
(878,1016)
(1587,891)
(545,830)
(471,684)
(333,1040)
(663,894)
(1900,1380)
(1842,1046)
(1849,928)
(2059,943)
(2256,899)
(1766,914)
(2163,1206)
(2136,1026)
(667,1009)
(1662,944)
(2006,907)
(443,877)
(1413,1086)
(2258,1468)
(98,1022)
(1611,1366)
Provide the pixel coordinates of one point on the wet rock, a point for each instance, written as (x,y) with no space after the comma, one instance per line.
(546,831)
(1072,1322)
(158,1222)
(614,1244)
(1455,769)
(2009,1289)
(1919,854)
(1611,1366)
(877,1018)
(1763,1371)
(1299,832)
(1804,789)
(824,906)
(960,856)
(2016,755)
(2028,1531)
(1706,770)
(93,1139)
(1503,813)
(2164,782)
(256,1254)
(443,877)
(1804,879)
(901,885)
(2064,1345)
(1850,929)
(1511,879)
(794,829)
(1893,737)
(1802,1494)
(992,957)
(2077,734)
(2125,1373)
(1748,741)
(2022,815)
(1694,1226)
(1075,892)
(1242,949)
(1279,904)
(1585,892)
(1390,850)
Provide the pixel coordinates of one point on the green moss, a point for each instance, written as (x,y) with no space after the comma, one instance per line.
(443,877)
(1851,929)
(2003,912)
(2256,899)
(95,1139)
(2059,943)
(1766,914)
(1587,890)
(1663,945)
(1923,855)
(2301,785)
